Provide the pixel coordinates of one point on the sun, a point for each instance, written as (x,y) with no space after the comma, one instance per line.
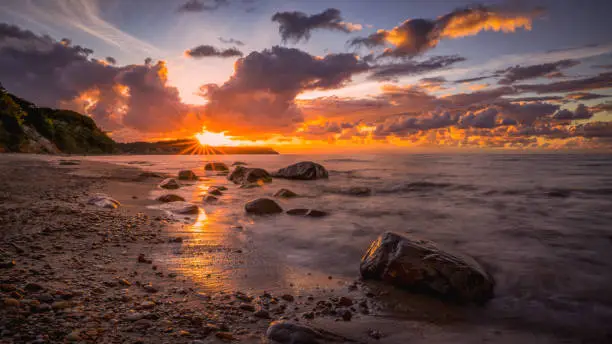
(207,138)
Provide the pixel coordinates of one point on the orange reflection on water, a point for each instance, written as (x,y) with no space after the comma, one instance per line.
(201,222)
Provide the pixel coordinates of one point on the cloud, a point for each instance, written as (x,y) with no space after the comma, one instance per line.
(581,112)
(260,96)
(585,96)
(605,66)
(603,80)
(202,6)
(58,74)
(406,123)
(415,36)
(209,51)
(111,60)
(526,113)
(230,41)
(297,26)
(486,118)
(467,80)
(392,71)
(519,73)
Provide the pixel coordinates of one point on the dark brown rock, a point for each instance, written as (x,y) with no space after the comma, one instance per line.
(170,198)
(305,170)
(246,175)
(306,212)
(170,184)
(216,166)
(285,193)
(187,175)
(262,206)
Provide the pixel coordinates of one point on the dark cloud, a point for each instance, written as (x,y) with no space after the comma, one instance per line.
(231,41)
(260,96)
(210,51)
(585,96)
(603,80)
(486,118)
(520,73)
(58,74)
(603,107)
(478,78)
(606,66)
(409,123)
(536,99)
(414,36)
(111,60)
(526,113)
(595,129)
(581,112)
(296,26)
(393,71)
(202,6)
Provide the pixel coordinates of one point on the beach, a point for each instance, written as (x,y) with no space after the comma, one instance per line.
(74,272)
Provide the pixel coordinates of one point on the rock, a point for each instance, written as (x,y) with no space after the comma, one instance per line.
(147,304)
(246,175)
(150,175)
(219,187)
(284,332)
(7,288)
(182,208)
(247,307)
(134,316)
(176,240)
(305,170)
(285,193)
(238,163)
(33,287)
(262,206)
(170,198)
(262,313)
(170,184)
(7,264)
(209,199)
(142,259)
(288,297)
(123,281)
(345,302)
(9,302)
(65,162)
(225,335)
(60,305)
(214,191)
(149,288)
(422,266)
(187,175)
(73,336)
(346,315)
(306,212)
(103,201)
(216,166)
(360,191)
(250,186)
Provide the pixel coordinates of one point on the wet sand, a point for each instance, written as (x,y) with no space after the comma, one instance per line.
(77,276)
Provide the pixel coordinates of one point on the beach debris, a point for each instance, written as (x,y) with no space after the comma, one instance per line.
(422,266)
(285,193)
(103,201)
(183,208)
(305,170)
(170,184)
(167,198)
(246,175)
(262,206)
(209,199)
(212,190)
(307,212)
(285,332)
(216,166)
(187,175)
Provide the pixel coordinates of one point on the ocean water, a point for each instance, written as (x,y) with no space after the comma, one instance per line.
(540,223)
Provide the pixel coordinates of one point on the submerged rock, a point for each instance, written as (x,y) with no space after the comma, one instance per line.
(214,191)
(170,198)
(285,193)
(305,170)
(183,208)
(360,191)
(170,184)
(246,175)
(209,199)
(65,162)
(103,201)
(421,266)
(262,206)
(238,163)
(187,175)
(307,212)
(216,166)
(285,332)
(219,187)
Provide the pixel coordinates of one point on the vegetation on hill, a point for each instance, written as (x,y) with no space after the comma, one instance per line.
(26,128)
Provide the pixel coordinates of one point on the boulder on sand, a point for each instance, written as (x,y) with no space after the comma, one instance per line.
(182,208)
(285,332)
(170,198)
(306,212)
(170,184)
(285,193)
(421,266)
(103,201)
(216,166)
(246,175)
(262,206)
(187,175)
(305,170)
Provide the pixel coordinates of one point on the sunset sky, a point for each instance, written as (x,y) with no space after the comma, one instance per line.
(330,75)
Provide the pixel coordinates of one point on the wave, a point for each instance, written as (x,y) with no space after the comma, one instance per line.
(553,192)
(354,174)
(346,160)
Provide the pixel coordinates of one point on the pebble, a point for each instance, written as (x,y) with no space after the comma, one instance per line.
(288,297)
(11,303)
(262,313)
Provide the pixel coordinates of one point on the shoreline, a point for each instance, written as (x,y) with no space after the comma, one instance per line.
(77,276)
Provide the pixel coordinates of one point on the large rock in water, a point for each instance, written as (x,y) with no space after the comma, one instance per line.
(422,266)
(305,170)
(285,332)
(182,208)
(262,206)
(246,175)
(170,198)
(187,175)
(170,184)
(216,166)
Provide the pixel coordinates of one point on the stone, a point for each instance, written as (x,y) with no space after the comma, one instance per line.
(305,170)
(103,201)
(124,282)
(225,336)
(170,198)
(187,175)
(10,302)
(65,162)
(33,287)
(345,301)
(181,208)
(359,191)
(170,184)
(262,206)
(307,212)
(216,166)
(346,315)
(238,163)
(143,259)
(214,191)
(7,264)
(250,186)
(422,266)
(285,332)
(262,313)
(147,304)
(247,307)
(209,199)
(149,288)
(219,187)
(285,193)
(246,175)
(288,297)
(73,336)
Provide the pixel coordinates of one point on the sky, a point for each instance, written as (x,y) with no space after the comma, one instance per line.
(321,75)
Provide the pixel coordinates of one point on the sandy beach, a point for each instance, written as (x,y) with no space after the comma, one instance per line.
(73,272)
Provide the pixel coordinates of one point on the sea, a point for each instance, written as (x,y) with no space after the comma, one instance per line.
(541,224)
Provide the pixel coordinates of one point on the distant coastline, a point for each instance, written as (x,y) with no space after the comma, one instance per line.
(186,146)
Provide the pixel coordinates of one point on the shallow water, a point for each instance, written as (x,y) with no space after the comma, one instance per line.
(540,223)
